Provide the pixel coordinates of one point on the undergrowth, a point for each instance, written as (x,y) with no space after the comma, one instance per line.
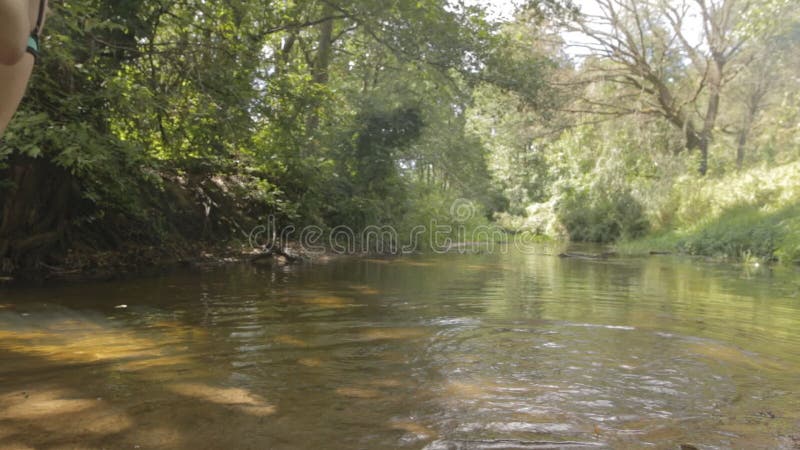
(754,215)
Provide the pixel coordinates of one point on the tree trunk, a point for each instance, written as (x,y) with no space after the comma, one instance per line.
(706,135)
(324,52)
(319,70)
(740,144)
(753,105)
(35,211)
(693,140)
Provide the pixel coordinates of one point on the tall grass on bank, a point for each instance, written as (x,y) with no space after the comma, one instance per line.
(750,215)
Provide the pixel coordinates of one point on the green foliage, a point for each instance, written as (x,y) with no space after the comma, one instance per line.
(754,214)
(438,212)
(200,119)
(745,232)
(600,215)
(610,161)
(203,118)
(737,233)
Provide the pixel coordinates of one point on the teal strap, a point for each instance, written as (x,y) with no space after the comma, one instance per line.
(33,39)
(33,46)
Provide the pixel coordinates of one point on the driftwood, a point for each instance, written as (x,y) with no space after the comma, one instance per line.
(274,255)
(604,255)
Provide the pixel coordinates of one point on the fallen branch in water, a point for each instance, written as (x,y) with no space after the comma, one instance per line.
(604,255)
(274,254)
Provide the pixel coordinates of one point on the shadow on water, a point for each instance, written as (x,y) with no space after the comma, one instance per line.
(447,351)
(84,382)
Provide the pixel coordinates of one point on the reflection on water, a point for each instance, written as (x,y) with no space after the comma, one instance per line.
(438,352)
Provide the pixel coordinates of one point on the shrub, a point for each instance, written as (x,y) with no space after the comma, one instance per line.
(601,215)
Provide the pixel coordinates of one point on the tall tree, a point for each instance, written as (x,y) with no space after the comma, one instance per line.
(646,49)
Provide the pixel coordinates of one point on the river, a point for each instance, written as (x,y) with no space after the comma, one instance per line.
(478,350)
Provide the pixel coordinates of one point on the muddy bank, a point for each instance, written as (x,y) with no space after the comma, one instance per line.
(176,218)
(135,261)
(131,260)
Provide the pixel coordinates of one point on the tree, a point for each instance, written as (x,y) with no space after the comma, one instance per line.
(771,28)
(645,49)
(238,110)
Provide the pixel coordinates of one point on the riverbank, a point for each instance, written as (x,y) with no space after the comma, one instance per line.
(133,260)
(129,260)
(752,215)
(749,216)
(746,233)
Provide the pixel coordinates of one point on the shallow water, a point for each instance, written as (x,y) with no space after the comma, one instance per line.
(501,350)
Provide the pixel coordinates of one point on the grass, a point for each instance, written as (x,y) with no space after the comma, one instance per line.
(746,216)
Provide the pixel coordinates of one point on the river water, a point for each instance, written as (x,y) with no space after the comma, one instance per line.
(491,350)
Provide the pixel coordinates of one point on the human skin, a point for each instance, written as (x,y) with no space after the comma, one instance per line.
(17,20)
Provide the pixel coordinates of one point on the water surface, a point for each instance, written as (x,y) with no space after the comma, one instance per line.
(445,351)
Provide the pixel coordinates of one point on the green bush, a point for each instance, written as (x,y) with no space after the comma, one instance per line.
(748,232)
(600,215)
(737,233)
(754,214)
